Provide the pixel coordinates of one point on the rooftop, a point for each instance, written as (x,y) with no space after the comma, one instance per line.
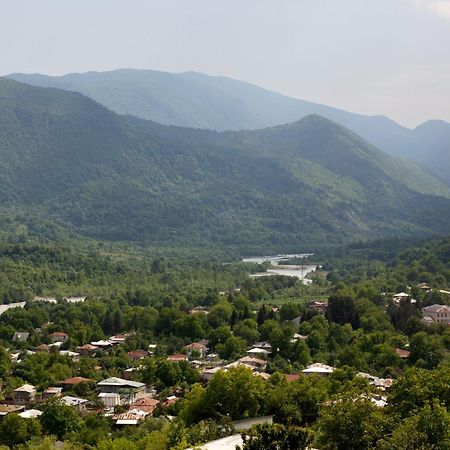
(6,409)
(114,381)
(177,357)
(26,388)
(75,380)
(87,347)
(30,414)
(73,401)
(20,336)
(195,346)
(318,368)
(435,308)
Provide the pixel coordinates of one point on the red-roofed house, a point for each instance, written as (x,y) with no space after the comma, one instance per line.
(145,404)
(196,348)
(137,355)
(42,348)
(87,350)
(402,353)
(292,377)
(177,357)
(69,383)
(58,336)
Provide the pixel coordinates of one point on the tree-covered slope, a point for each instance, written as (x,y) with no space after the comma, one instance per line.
(220,103)
(68,161)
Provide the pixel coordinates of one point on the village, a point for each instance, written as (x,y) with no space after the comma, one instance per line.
(126,401)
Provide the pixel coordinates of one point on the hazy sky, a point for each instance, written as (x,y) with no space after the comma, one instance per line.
(370,56)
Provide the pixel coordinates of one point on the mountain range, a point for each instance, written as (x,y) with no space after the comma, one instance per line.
(200,101)
(69,163)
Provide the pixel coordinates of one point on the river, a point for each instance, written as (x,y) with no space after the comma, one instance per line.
(299,271)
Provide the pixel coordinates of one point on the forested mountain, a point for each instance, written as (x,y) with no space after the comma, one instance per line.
(201,101)
(67,161)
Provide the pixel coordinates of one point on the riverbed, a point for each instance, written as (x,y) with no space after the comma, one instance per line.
(299,271)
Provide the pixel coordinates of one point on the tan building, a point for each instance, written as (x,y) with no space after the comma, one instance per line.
(440,314)
(24,394)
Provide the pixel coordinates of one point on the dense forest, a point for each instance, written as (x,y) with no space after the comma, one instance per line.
(388,387)
(73,169)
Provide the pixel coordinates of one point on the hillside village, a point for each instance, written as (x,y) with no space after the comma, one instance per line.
(127,398)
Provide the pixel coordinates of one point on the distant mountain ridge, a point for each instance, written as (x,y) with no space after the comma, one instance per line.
(68,162)
(201,101)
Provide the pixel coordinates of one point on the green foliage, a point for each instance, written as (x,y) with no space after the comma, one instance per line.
(154,307)
(298,402)
(236,393)
(350,423)
(73,168)
(167,373)
(232,348)
(429,428)
(276,437)
(15,431)
(342,309)
(58,419)
(417,387)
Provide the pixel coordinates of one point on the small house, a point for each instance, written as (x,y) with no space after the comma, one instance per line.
(404,354)
(261,352)
(58,336)
(123,391)
(177,357)
(24,394)
(118,339)
(257,363)
(20,336)
(147,404)
(137,355)
(6,409)
(73,355)
(30,414)
(440,314)
(87,350)
(196,349)
(69,383)
(79,403)
(131,417)
(52,392)
(320,307)
(318,368)
(102,344)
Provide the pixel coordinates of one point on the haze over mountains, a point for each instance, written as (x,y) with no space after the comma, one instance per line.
(201,101)
(70,163)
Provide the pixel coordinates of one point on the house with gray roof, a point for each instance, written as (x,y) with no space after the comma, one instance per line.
(439,314)
(20,336)
(120,391)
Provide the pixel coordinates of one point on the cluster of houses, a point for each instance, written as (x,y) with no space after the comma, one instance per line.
(137,400)
(136,397)
(433,314)
(58,338)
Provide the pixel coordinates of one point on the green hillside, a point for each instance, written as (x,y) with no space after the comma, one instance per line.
(67,163)
(220,103)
